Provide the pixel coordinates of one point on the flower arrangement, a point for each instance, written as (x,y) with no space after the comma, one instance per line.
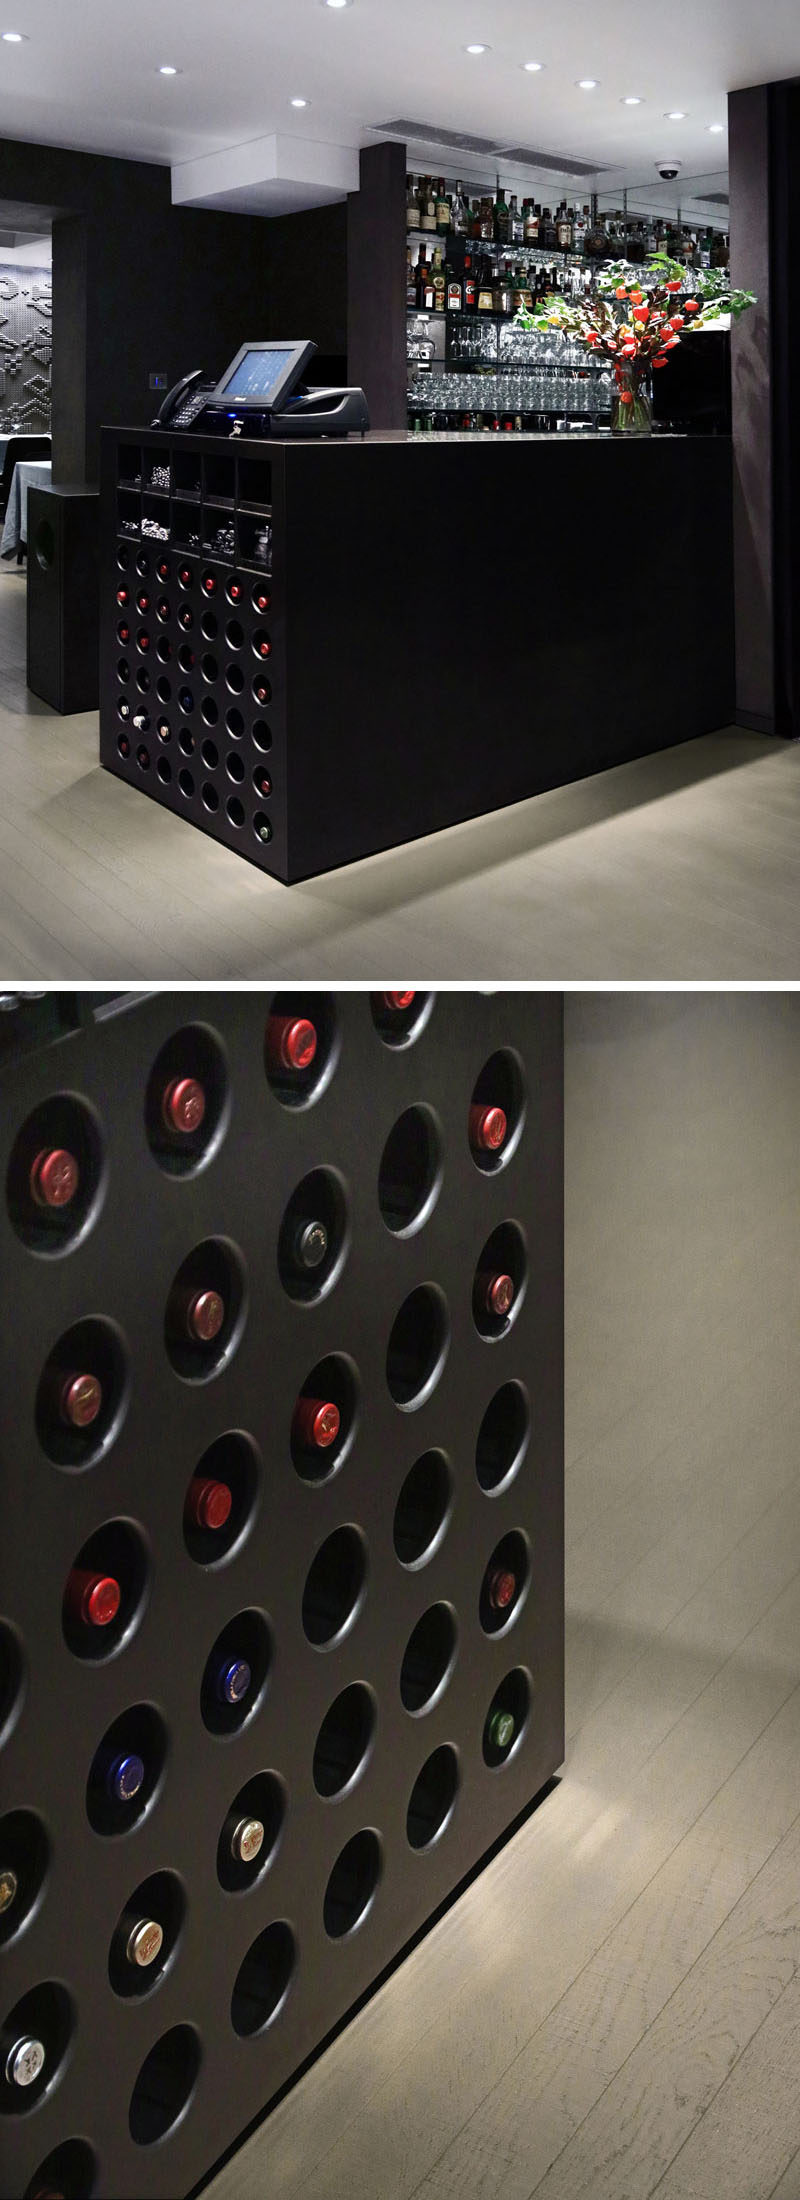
(634,318)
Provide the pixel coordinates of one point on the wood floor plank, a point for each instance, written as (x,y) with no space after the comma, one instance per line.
(752,2128)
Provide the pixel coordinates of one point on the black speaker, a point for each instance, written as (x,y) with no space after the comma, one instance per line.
(63,597)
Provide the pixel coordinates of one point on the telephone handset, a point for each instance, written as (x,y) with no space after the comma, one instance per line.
(185,401)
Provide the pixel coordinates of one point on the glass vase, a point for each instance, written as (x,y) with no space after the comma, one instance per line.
(631,410)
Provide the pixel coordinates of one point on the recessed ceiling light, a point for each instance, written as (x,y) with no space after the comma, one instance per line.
(167,69)
(14,38)
(676,114)
(337,3)
(588,84)
(533,67)
(477,49)
(716,129)
(298,102)
(632,101)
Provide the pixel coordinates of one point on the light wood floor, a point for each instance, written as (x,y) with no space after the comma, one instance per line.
(680,866)
(612,2011)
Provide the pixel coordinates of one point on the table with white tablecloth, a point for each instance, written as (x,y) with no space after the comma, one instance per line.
(15,527)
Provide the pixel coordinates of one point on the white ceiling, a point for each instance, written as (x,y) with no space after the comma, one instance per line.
(87,76)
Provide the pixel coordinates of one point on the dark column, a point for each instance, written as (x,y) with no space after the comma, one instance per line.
(69,350)
(749,134)
(376,288)
(784,108)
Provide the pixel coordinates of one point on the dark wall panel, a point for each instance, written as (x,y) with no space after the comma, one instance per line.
(751,399)
(376,284)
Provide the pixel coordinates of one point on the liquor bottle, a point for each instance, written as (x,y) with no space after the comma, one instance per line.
(501,1588)
(422,279)
(246,1840)
(459,213)
(501,217)
(439,280)
(291,1042)
(183,1106)
(316,1424)
(54,1178)
(547,230)
(231,1679)
(428,217)
(475,220)
(208,1503)
(580,228)
(564,229)
(515,222)
(308,1246)
(428,300)
(411,280)
(195,1316)
(503,295)
(494,1294)
(501,1727)
(442,210)
(141,1939)
(412,204)
(531,222)
(487,220)
(23,2060)
(470,288)
(487,1128)
(91,1597)
(77,1399)
(455,293)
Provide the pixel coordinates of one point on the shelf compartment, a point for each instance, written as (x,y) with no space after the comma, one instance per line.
(219,480)
(254,541)
(186,473)
(254,486)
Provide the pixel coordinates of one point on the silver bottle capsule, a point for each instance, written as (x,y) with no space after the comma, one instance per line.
(246,1840)
(25,2062)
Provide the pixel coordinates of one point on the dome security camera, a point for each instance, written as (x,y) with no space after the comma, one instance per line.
(668,170)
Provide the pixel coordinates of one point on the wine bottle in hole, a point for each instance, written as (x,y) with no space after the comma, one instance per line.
(488,1127)
(209,1503)
(92,1598)
(291,1043)
(494,1294)
(54,1178)
(195,1315)
(316,1424)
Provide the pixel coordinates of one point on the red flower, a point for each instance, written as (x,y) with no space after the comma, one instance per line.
(622,293)
(691,306)
(671,343)
(637,296)
(677,321)
(641,313)
(673,286)
(626,397)
(629,351)
(661,361)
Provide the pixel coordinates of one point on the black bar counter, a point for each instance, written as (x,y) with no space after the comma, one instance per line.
(454,623)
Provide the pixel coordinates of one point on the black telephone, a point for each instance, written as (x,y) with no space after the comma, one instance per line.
(185,401)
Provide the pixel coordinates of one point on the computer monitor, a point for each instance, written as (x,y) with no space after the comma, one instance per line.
(263,376)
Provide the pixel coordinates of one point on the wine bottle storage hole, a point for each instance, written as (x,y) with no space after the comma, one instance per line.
(428,1660)
(325,1418)
(126,1771)
(353,1884)
(164,769)
(433,1798)
(234,811)
(410,1174)
(147,1935)
(423,1510)
(222,1499)
(261,735)
(83,1394)
(236,1673)
(70,2171)
(106,1591)
(210,755)
(36,2039)
(505,1583)
(24,1862)
(314,1238)
(206,1310)
(345,1741)
(263,1980)
(335,1588)
(235,767)
(55,1181)
(12,1678)
(503,1438)
(165,2085)
(500,1281)
(209,711)
(400,1017)
(209,668)
(251,1835)
(187,1100)
(209,625)
(507,1718)
(234,722)
(497,1111)
(301,1046)
(418,1347)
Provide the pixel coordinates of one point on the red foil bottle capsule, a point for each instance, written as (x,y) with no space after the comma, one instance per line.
(397,1003)
(79,1400)
(496,1294)
(209,1503)
(143,640)
(235,591)
(183,1106)
(291,1042)
(54,1177)
(123,597)
(209,584)
(263,783)
(487,1129)
(123,632)
(93,1598)
(198,1315)
(316,1423)
(143,601)
(261,601)
(264,646)
(185,576)
(262,691)
(502,1587)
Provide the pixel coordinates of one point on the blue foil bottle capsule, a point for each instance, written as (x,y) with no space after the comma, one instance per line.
(233,1680)
(124,1776)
